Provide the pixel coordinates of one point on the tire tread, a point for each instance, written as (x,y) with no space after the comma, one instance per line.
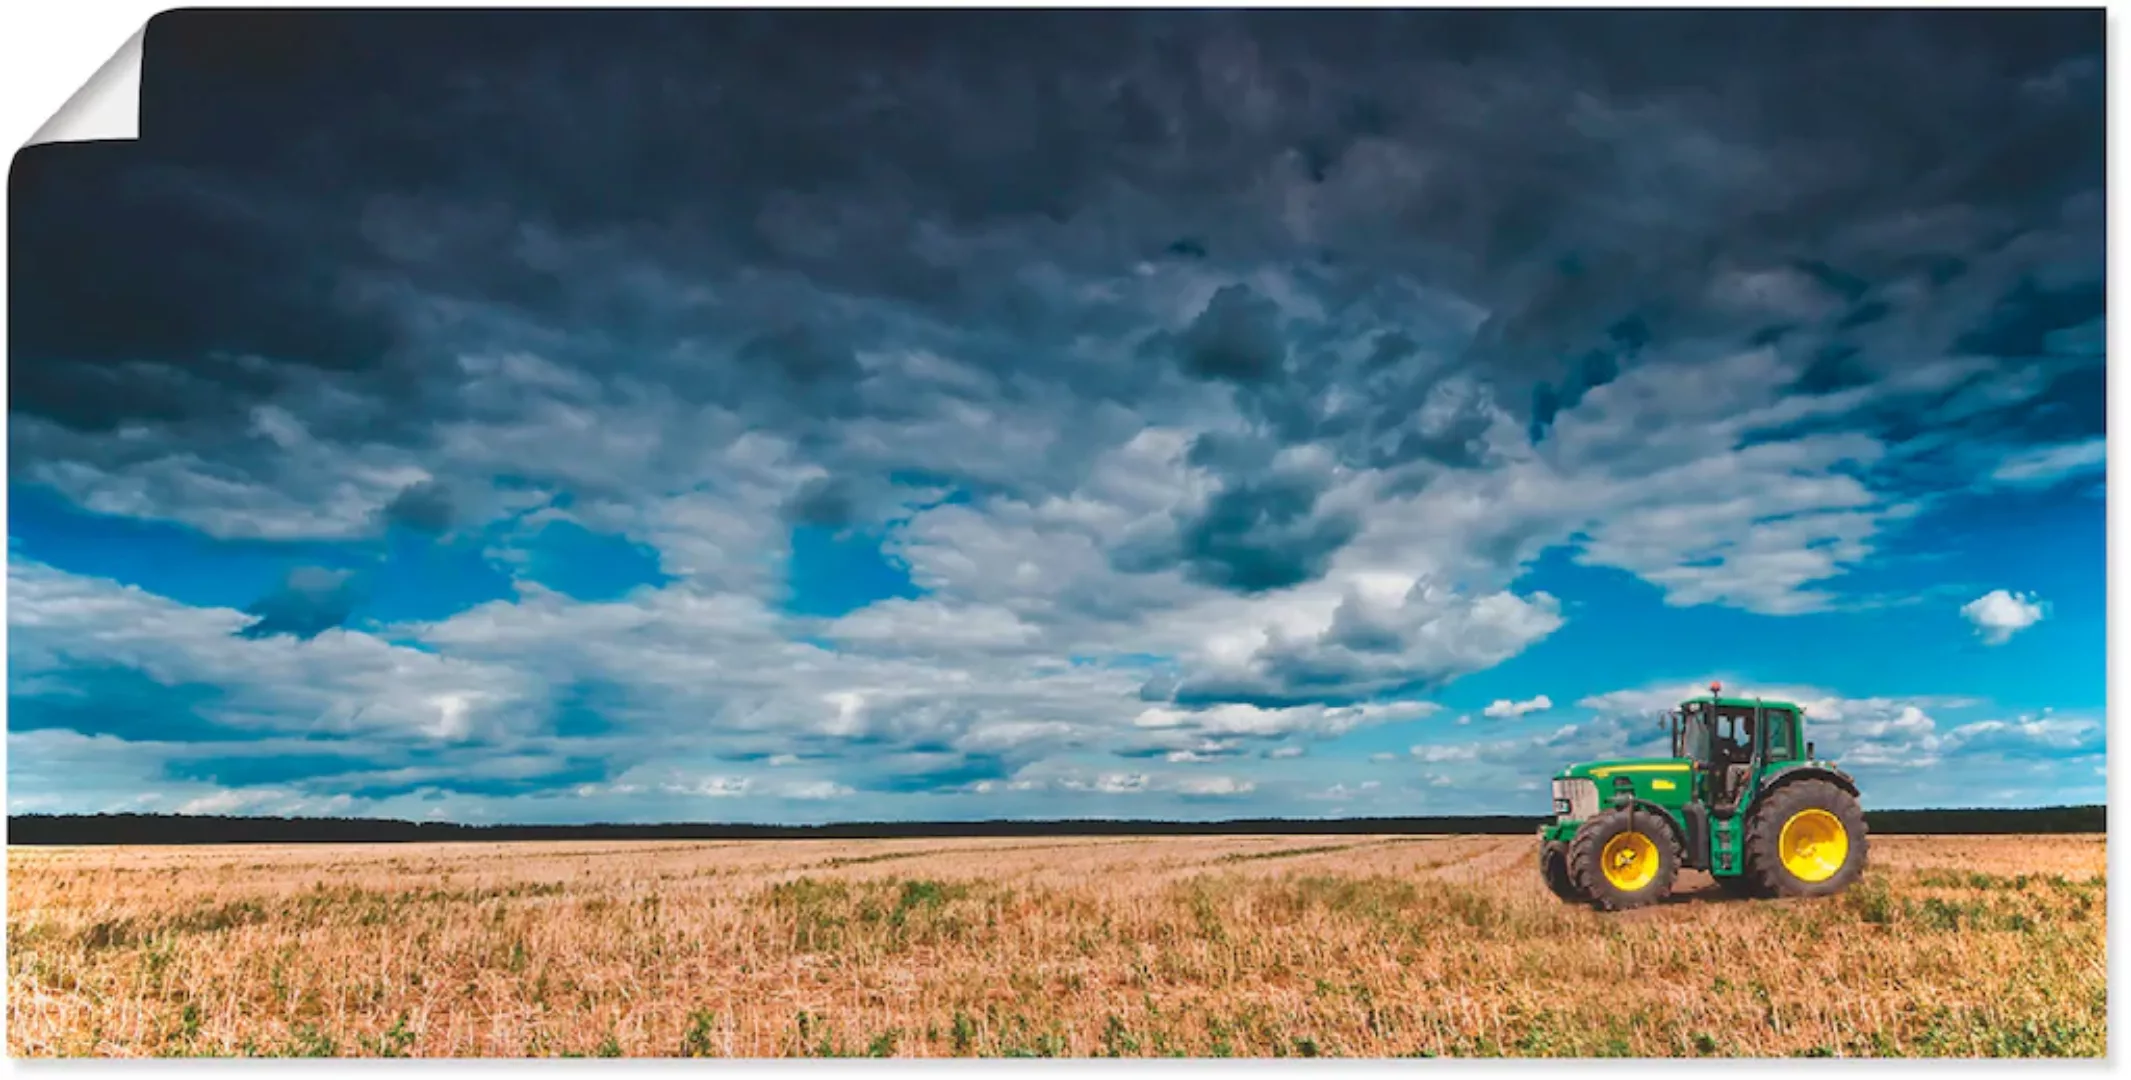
(1590,840)
(1554,868)
(1764,829)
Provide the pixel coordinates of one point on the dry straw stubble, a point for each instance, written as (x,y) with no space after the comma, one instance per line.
(1245,946)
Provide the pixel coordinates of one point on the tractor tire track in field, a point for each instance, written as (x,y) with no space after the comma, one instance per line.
(1486,863)
(895,856)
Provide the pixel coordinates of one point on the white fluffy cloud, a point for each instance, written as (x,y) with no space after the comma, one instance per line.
(2044,465)
(1504,708)
(1997,615)
(341,683)
(1214,786)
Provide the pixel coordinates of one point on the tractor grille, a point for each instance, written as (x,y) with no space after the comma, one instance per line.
(1575,799)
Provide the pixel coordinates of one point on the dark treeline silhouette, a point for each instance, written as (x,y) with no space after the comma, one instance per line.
(34,829)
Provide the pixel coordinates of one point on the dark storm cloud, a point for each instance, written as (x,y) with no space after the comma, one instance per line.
(424,507)
(1264,533)
(1263,528)
(802,356)
(1237,337)
(1398,224)
(1597,368)
(826,502)
(1848,286)
(1835,367)
(311,601)
(303,176)
(148,301)
(2022,322)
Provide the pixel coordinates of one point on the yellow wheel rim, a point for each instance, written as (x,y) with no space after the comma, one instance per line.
(1814,845)
(1629,861)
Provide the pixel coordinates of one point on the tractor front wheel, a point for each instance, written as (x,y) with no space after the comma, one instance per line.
(1554,867)
(1806,839)
(1621,860)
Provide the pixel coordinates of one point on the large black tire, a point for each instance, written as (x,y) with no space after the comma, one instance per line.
(1554,867)
(1587,856)
(1816,800)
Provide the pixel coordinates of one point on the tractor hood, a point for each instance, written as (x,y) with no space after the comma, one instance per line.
(1608,768)
(1664,781)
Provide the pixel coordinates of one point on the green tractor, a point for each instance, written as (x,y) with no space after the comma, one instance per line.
(1741,797)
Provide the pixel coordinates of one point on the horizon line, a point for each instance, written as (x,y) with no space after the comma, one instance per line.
(106,827)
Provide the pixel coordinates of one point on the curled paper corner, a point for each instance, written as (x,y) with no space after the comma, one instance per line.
(108,106)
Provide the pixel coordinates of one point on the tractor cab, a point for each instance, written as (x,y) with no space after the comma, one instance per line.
(1728,740)
(1740,796)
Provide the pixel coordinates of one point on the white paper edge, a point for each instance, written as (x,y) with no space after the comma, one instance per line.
(108,106)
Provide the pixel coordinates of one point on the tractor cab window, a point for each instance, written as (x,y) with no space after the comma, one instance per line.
(1734,736)
(1724,735)
(1780,733)
(1733,742)
(1695,740)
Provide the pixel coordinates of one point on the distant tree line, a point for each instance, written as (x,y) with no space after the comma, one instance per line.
(68,829)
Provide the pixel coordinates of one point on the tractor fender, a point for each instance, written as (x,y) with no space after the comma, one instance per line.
(1790,774)
(1645,808)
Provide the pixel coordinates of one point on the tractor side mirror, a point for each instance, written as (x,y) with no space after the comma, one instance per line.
(1809,756)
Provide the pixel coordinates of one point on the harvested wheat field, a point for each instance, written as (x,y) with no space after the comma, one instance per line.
(1244,946)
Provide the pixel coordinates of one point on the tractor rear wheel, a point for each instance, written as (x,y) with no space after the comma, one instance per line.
(1620,861)
(1554,867)
(1806,839)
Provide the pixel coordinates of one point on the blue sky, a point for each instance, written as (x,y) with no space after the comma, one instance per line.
(1114,415)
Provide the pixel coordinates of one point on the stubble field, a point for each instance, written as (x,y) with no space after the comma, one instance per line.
(1200,946)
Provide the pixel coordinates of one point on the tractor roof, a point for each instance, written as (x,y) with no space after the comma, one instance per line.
(1746,702)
